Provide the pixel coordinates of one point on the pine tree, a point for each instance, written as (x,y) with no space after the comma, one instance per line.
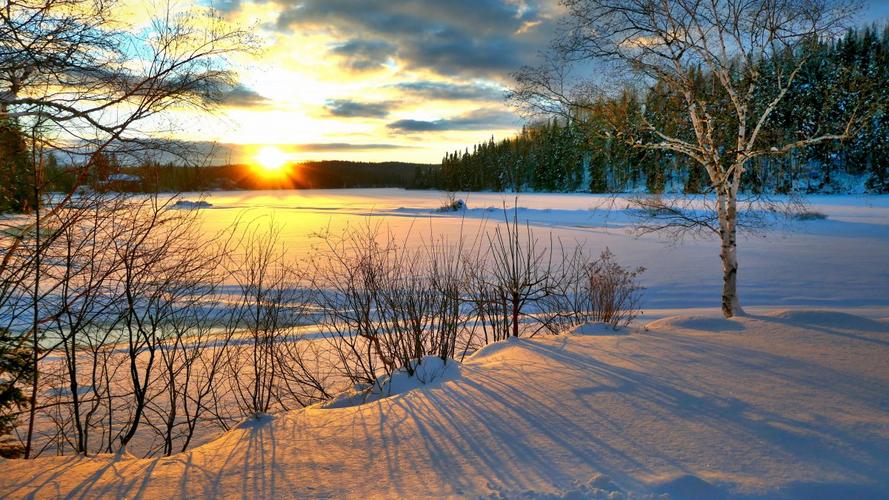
(16,188)
(16,371)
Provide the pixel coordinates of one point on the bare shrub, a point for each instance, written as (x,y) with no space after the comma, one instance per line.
(450,203)
(587,290)
(344,270)
(513,279)
(383,304)
(266,369)
(449,277)
(490,311)
(562,308)
(83,324)
(611,292)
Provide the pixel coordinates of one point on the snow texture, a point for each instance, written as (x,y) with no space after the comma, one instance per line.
(189,205)
(790,401)
(428,371)
(779,404)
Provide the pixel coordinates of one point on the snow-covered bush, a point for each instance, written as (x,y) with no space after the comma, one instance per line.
(418,373)
(384,303)
(451,203)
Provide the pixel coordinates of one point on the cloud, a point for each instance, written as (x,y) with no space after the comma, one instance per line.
(346,108)
(481,119)
(364,55)
(240,96)
(451,91)
(479,37)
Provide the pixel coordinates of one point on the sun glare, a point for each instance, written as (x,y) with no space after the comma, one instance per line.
(271,159)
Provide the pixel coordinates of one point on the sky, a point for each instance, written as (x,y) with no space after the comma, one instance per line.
(375,80)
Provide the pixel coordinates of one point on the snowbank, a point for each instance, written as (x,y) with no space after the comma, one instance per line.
(790,404)
(712,324)
(190,205)
(597,329)
(427,371)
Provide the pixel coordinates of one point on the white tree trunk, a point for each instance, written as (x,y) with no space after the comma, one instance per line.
(731,305)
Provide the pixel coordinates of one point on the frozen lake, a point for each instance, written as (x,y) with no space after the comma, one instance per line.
(839,262)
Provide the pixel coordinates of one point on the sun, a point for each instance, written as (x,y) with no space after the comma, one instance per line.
(271,159)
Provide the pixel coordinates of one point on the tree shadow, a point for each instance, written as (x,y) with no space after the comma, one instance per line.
(472,435)
(834,323)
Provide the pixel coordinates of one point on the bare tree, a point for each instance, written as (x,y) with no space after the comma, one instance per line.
(385,305)
(68,75)
(722,126)
(520,272)
(82,321)
(67,69)
(268,371)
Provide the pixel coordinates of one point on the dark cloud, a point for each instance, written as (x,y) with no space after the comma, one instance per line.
(240,96)
(346,108)
(363,55)
(451,91)
(419,125)
(482,119)
(479,37)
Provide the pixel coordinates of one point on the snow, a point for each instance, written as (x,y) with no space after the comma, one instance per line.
(123,178)
(188,204)
(427,371)
(596,329)
(790,401)
(684,275)
(784,403)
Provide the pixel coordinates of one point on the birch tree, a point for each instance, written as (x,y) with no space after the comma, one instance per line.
(724,117)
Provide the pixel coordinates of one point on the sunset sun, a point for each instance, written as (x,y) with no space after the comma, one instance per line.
(271,159)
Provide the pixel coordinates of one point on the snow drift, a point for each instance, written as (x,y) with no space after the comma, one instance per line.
(784,404)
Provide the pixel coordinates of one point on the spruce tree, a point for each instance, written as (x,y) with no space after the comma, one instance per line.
(16,187)
(16,371)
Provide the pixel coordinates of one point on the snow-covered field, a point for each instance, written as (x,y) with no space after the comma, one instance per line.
(792,401)
(781,404)
(842,261)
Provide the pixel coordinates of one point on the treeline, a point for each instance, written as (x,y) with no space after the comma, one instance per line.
(107,172)
(590,149)
(332,174)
